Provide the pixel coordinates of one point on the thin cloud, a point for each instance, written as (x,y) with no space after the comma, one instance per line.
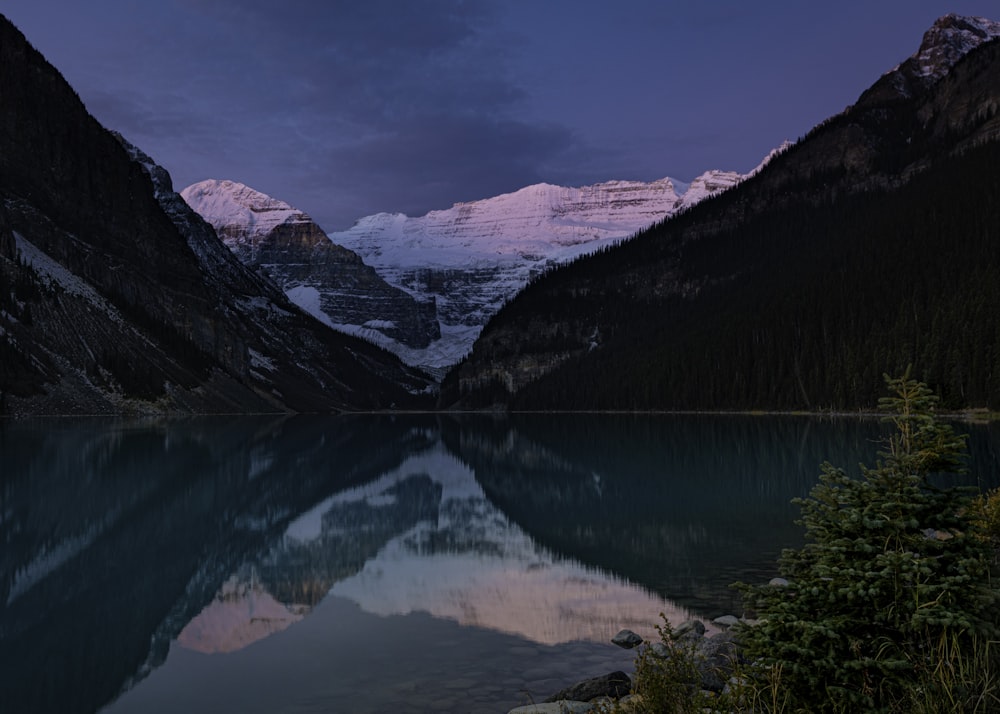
(350,107)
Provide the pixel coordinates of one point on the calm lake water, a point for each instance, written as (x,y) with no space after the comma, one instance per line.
(377,563)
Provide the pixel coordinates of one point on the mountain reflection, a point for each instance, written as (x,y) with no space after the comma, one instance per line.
(122,537)
(684,505)
(117,534)
(464,560)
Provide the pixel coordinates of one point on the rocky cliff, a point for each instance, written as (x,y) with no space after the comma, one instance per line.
(947,41)
(328,281)
(121,299)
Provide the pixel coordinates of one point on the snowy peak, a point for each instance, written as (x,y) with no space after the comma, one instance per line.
(248,215)
(328,281)
(473,257)
(949,39)
(536,223)
(552,215)
(445,273)
(708,184)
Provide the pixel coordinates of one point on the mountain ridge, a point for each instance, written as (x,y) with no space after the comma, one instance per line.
(455,266)
(743,301)
(473,257)
(117,298)
(326,280)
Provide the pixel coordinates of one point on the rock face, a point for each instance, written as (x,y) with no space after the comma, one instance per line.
(473,257)
(123,300)
(948,40)
(326,280)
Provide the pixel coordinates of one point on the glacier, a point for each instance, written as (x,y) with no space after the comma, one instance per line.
(475,256)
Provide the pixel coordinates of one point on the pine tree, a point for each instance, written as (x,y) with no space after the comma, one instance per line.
(892,586)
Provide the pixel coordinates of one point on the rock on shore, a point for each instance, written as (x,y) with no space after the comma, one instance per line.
(713,654)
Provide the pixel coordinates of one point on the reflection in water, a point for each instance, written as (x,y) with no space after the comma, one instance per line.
(116,534)
(227,535)
(470,564)
(685,505)
(422,538)
(241,613)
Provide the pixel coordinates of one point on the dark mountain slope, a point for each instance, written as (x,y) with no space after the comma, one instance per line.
(114,296)
(867,246)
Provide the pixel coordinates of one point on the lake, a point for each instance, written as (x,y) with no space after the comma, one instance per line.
(369,563)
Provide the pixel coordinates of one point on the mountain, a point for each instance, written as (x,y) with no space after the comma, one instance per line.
(473,257)
(867,246)
(423,287)
(326,280)
(947,41)
(115,297)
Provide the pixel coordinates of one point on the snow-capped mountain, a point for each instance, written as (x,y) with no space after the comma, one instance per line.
(600,338)
(424,286)
(325,279)
(948,40)
(127,302)
(475,256)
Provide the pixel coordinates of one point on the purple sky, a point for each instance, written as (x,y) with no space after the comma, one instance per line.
(344,109)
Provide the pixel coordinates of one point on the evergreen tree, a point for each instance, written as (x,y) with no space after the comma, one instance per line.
(892,587)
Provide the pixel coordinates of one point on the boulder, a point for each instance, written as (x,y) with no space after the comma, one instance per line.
(660,650)
(715,657)
(690,629)
(726,621)
(560,707)
(614,685)
(627,639)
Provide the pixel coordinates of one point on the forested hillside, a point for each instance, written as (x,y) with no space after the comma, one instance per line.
(869,245)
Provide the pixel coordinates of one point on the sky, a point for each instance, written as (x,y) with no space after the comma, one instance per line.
(345,108)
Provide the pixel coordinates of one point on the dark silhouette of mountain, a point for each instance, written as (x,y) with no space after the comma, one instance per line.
(868,245)
(116,297)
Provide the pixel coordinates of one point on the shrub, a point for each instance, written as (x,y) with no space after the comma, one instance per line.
(667,679)
(888,607)
(985,515)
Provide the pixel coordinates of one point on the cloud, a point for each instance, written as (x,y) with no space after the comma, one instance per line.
(434,161)
(347,107)
(342,106)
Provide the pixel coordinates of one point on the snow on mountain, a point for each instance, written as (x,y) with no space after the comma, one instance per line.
(708,184)
(247,215)
(531,224)
(424,287)
(949,39)
(474,256)
(326,280)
